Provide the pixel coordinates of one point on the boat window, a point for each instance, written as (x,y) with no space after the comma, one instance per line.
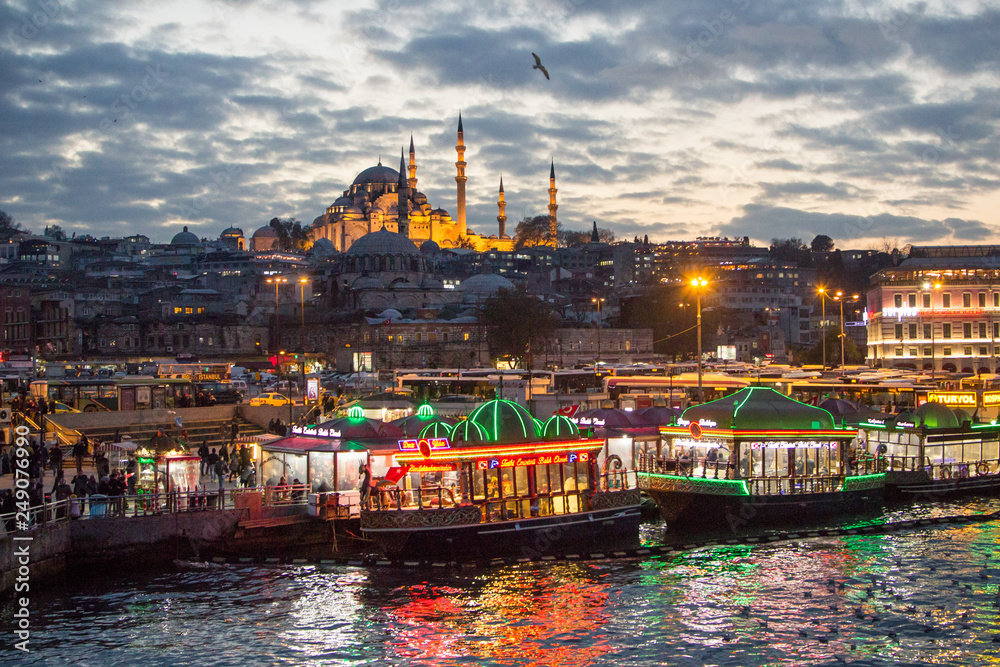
(492,483)
(555,478)
(507,482)
(541,480)
(990,450)
(521,480)
(569,477)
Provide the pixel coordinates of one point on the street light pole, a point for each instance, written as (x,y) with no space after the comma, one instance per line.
(822,322)
(699,283)
(302,332)
(840,298)
(936,286)
(598,301)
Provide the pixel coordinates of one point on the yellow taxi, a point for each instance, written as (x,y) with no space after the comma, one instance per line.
(269,399)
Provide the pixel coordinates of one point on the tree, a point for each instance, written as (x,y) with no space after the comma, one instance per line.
(291,234)
(516,322)
(7,225)
(55,232)
(822,243)
(465,242)
(532,231)
(790,250)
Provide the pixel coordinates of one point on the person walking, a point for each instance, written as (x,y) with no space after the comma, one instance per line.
(79,451)
(56,459)
(203,453)
(213,458)
(221,469)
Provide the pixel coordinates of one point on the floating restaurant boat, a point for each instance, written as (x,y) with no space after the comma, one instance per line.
(934,451)
(502,485)
(757,456)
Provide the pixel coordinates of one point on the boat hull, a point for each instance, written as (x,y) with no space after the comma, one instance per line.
(919,485)
(459,534)
(685,503)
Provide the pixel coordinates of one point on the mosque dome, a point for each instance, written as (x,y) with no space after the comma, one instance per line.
(391,314)
(184,237)
(377,174)
(324,247)
(383,242)
(231,232)
(265,232)
(485,283)
(429,247)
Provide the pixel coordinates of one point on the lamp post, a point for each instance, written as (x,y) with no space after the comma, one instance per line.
(928,286)
(598,301)
(698,284)
(302,332)
(843,335)
(822,321)
(277,280)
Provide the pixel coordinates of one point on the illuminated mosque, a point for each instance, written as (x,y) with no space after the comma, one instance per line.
(382,198)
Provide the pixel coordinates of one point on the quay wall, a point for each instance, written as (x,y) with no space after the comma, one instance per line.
(126,419)
(47,548)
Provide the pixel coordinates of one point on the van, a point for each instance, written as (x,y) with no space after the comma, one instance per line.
(240,385)
(237,372)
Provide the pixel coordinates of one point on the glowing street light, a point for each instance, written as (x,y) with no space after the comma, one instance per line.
(699,284)
(598,301)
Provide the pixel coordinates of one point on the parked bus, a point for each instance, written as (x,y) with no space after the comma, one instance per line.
(94,394)
(195,372)
(634,392)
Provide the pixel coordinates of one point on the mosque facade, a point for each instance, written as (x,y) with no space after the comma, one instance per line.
(385,198)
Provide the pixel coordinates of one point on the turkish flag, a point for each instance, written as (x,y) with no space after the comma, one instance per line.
(395,474)
(567,411)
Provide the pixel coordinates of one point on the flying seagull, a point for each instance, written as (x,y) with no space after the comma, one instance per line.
(538,65)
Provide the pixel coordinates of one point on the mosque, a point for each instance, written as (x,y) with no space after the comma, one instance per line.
(382,198)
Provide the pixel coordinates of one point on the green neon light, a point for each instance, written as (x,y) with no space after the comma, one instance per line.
(738,484)
(858,478)
(356,412)
(425,410)
(992,424)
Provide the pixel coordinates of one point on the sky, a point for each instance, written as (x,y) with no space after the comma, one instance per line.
(870,122)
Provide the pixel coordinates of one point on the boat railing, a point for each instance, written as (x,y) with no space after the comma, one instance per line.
(776,486)
(684,466)
(903,463)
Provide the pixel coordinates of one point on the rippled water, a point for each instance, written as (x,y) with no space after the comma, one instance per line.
(922,596)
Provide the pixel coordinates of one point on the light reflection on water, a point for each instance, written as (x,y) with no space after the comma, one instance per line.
(927,596)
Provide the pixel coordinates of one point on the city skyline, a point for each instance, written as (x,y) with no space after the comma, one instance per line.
(675,120)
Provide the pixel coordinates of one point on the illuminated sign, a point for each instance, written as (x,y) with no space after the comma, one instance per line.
(991,398)
(537,460)
(318,432)
(953,397)
(206,377)
(587,421)
(430,467)
(701,422)
(312,389)
(791,444)
(906,425)
(900,312)
(688,442)
(424,445)
(695,430)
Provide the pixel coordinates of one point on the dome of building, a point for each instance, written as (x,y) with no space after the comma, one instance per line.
(485,283)
(231,232)
(431,283)
(469,433)
(367,282)
(184,237)
(437,429)
(266,232)
(324,247)
(391,314)
(383,242)
(429,247)
(659,415)
(343,201)
(505,421)
(440,212)
(559,427)
(935,415)
(403,284)
(377,174)
(760,408)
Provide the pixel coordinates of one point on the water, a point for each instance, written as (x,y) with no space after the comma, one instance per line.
(933,599)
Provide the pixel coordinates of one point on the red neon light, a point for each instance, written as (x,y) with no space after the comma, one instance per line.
(520,449)
(539,460)
(424,445)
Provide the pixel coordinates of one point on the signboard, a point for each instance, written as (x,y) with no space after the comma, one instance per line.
(143,396)
(536,460)
(991,399)
(959,398)
(688,442)
(312,389)
(209,377)
(430,467)
(792,444)
(424,445)
(726,352)
(317,432)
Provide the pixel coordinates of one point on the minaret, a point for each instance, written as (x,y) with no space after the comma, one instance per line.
(460,178)
(594,236)
(402,197)
(413,167)
(502,217)
(553,233)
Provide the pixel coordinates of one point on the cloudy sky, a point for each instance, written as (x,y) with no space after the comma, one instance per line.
(863,121)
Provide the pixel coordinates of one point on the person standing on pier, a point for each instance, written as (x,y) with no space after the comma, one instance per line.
(220,469)
(203,453)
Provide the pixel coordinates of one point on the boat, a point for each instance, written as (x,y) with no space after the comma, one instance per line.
(933,452)
(757,456)
(503,485)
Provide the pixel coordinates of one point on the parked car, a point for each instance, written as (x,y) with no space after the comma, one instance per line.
(57,408)
(269,399)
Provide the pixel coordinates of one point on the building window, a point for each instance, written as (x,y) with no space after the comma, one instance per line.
(201,310)
(982,299)
(913,351)
(967,330)
(911,300)
(177,310)
(967,350)
(996,299)
(946,300)
(927,300)
(913,331)
(946,330)
(899,332)
(947,351)
(465,336)
(996,329)
(927,331)
(899,351)
(966,300)
(927,352)
(898,300)
(982,329)
(188,311)
(982,351)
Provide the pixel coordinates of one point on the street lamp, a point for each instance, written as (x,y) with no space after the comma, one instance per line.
(302,331)
(277,280)
(928,286)
(841,298)
(822,322)
(699,284)
(598,301)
